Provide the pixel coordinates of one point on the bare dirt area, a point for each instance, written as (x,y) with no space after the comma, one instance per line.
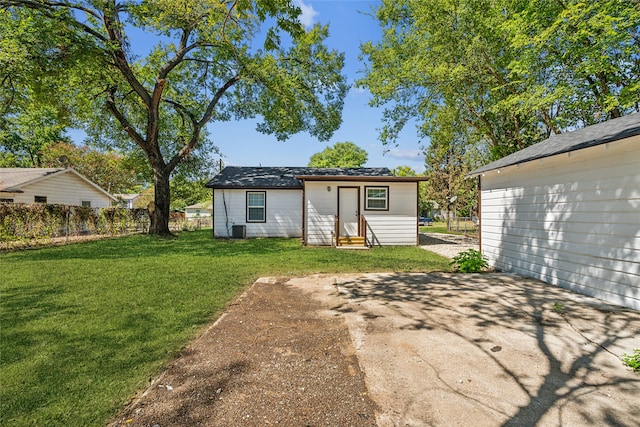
(271,359)
(402,349)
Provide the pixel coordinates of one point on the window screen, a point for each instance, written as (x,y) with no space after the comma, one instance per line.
(256,206)
(377,198)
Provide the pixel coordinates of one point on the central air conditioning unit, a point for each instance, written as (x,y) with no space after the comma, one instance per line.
(239,232)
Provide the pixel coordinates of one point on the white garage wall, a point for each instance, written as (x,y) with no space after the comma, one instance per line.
(284,213)
(571,220)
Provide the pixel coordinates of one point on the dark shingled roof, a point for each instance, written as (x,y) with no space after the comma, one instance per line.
(601,133)
(283,177)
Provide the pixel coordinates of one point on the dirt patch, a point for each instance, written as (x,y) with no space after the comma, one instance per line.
(273,358)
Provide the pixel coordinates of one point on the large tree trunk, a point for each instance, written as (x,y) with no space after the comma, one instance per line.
(160,213)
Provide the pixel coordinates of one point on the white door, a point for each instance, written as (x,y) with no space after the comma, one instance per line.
(348,210)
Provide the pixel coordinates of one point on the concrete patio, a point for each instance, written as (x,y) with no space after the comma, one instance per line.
(485,349)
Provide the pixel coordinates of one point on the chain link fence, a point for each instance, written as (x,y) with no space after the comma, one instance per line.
(42,222)
(463,224)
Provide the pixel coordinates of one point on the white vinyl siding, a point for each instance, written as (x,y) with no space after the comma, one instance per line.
(64,189)
(321,210)
(283,213)
(395,226)
(571,220)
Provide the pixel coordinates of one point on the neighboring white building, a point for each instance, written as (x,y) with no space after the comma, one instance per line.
(199,210)
(127,200)
(567,211)
(62,186)
(337,206)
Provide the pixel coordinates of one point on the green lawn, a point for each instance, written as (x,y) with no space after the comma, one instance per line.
(441,227)
(83,327)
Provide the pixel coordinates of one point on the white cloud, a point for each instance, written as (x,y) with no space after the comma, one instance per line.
(397,153)
(307,18)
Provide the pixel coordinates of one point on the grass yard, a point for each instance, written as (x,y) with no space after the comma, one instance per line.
(441,227)
(84,327)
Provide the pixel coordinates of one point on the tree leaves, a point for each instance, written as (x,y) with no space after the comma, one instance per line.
(341,155)
(517,71)
(208,62)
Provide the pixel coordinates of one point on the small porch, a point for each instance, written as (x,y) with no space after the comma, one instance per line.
(346,236)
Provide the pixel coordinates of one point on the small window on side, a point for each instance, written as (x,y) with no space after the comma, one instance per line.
(256,206)
(6,200)
(377,198)
(86,203)
(40,199)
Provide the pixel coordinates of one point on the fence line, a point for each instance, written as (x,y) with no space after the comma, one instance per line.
(463,224)
(20,222)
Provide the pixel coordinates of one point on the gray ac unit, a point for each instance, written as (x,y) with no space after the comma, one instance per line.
(239,231)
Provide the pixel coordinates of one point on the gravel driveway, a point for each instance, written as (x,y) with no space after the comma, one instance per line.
(448,245)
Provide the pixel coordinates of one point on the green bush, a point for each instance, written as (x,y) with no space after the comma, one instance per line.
(633,360)
(469,261)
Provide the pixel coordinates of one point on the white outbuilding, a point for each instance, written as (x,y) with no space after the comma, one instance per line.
(343,207)
(567,211)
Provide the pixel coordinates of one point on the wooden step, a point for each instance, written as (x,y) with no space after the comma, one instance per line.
(351,241)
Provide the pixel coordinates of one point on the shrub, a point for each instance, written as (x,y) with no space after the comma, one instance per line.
(633,360)
(470,261)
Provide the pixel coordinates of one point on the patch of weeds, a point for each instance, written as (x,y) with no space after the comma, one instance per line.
(632,360)
(470,261)
(558,307)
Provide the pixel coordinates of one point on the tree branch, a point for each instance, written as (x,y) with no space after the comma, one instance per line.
(112,25)
(128,127)
(214,101)
(183,49)
(42,8)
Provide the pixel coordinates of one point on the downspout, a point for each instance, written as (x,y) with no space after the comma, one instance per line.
(213,213)
(418,213)
(304,212)
(480,212)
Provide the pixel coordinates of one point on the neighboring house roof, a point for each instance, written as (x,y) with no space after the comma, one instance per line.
(13,180)
(601,133)
(287,177)
(203,205)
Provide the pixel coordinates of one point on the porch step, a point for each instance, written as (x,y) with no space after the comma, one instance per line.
(352,242)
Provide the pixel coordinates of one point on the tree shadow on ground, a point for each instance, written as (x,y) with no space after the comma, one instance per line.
(573,341)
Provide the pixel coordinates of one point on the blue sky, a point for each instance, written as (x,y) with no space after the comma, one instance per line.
(349,26)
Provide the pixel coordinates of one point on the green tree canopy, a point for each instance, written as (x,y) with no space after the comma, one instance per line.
(340,155)
(210,60)
(506,74)
(109,170)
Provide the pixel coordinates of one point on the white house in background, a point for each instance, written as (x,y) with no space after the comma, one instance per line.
(567,211)
(127,200)
(322,206)
(199,210)
(62,186)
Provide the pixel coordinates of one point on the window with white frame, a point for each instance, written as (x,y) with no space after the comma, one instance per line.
(256,206)
(377,198)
